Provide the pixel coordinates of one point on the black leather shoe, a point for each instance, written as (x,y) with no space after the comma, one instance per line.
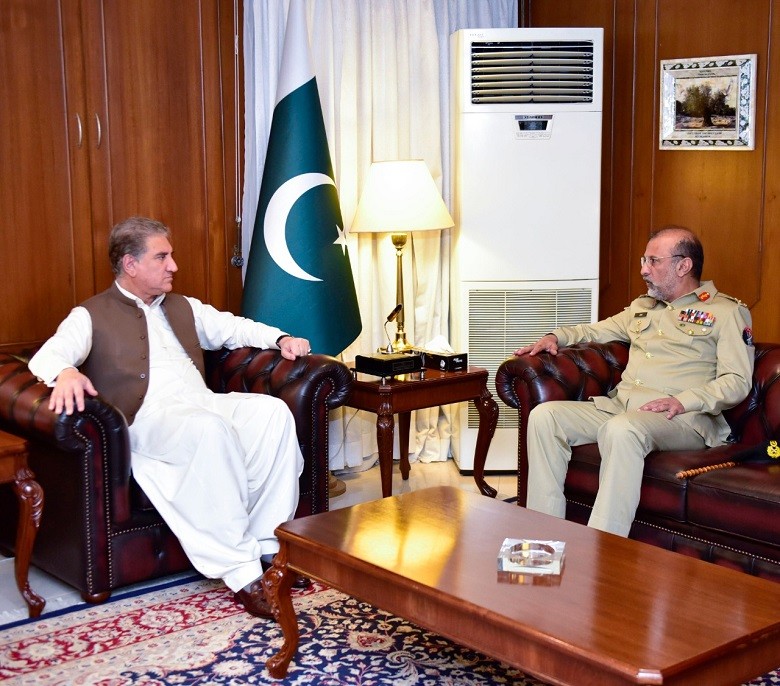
(252,597)
(301,582)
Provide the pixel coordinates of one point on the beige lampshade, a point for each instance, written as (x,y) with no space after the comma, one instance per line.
(399,197)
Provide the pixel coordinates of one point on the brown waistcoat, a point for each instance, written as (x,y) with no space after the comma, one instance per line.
(118,363)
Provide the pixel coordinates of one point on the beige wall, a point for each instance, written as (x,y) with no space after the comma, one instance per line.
(730,198)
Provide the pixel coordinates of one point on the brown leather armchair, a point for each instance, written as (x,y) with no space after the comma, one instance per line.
(98,531)
(727,516)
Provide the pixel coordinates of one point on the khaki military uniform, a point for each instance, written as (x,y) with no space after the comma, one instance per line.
(698,349)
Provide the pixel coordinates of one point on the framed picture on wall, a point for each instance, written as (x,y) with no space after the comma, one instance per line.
(708,103)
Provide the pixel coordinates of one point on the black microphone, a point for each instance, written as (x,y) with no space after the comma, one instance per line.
(391,317)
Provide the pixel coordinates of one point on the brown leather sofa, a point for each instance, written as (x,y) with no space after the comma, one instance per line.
(727,516)
(98,531)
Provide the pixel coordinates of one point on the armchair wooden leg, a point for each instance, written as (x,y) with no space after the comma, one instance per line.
(96,598)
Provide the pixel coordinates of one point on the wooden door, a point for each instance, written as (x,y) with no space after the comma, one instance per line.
(157,81)
(45,243)
(111,109)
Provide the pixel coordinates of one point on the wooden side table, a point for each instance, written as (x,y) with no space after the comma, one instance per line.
(14,469)
(430,388)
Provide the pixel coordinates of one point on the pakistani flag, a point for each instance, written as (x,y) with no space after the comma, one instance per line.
(298,275)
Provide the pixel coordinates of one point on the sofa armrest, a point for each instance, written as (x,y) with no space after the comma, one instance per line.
(311,386)
(300,383)
(577,372)
(97,435)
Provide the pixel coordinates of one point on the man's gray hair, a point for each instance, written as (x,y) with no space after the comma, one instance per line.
(129,238)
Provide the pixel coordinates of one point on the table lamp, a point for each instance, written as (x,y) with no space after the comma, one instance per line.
(399,197)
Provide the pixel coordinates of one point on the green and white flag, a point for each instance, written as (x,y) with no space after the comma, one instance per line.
(298,275)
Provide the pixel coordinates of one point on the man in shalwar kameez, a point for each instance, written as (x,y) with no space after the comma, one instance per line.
(221,469)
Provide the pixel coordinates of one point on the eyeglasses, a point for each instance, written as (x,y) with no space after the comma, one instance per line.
(655,260)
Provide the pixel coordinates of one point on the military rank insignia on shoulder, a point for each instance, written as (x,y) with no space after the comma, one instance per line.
(734,300)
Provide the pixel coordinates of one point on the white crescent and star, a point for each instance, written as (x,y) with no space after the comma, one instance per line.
(275,223)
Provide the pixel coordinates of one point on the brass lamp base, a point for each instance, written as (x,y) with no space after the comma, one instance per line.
(400,344)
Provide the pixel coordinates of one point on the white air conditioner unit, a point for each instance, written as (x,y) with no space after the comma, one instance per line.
(526,172)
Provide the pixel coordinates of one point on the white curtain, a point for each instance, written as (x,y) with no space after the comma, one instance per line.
(382,70)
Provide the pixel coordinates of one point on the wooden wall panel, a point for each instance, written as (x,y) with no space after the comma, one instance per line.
(638,179)
(717,193)
(615,290)
(151,160)
(113,109)
(730,198)
(614,243)
(45,246)
(766,312)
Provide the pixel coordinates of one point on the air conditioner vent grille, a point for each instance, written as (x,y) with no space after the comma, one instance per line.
(501,320)
(532,72)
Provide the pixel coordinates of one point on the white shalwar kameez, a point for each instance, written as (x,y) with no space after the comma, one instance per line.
(221,468)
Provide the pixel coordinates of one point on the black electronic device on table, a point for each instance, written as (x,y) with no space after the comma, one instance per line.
(443,361)
(388,364)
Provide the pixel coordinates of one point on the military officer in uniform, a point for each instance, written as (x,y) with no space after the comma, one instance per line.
(691,357)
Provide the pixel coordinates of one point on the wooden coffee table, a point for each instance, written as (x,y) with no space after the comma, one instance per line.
(624,612)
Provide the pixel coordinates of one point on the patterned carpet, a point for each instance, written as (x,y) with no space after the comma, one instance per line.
(195,633)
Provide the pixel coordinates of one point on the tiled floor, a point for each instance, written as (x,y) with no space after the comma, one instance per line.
(365,486)
(361,487)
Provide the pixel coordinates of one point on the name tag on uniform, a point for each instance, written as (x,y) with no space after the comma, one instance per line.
(640,314)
